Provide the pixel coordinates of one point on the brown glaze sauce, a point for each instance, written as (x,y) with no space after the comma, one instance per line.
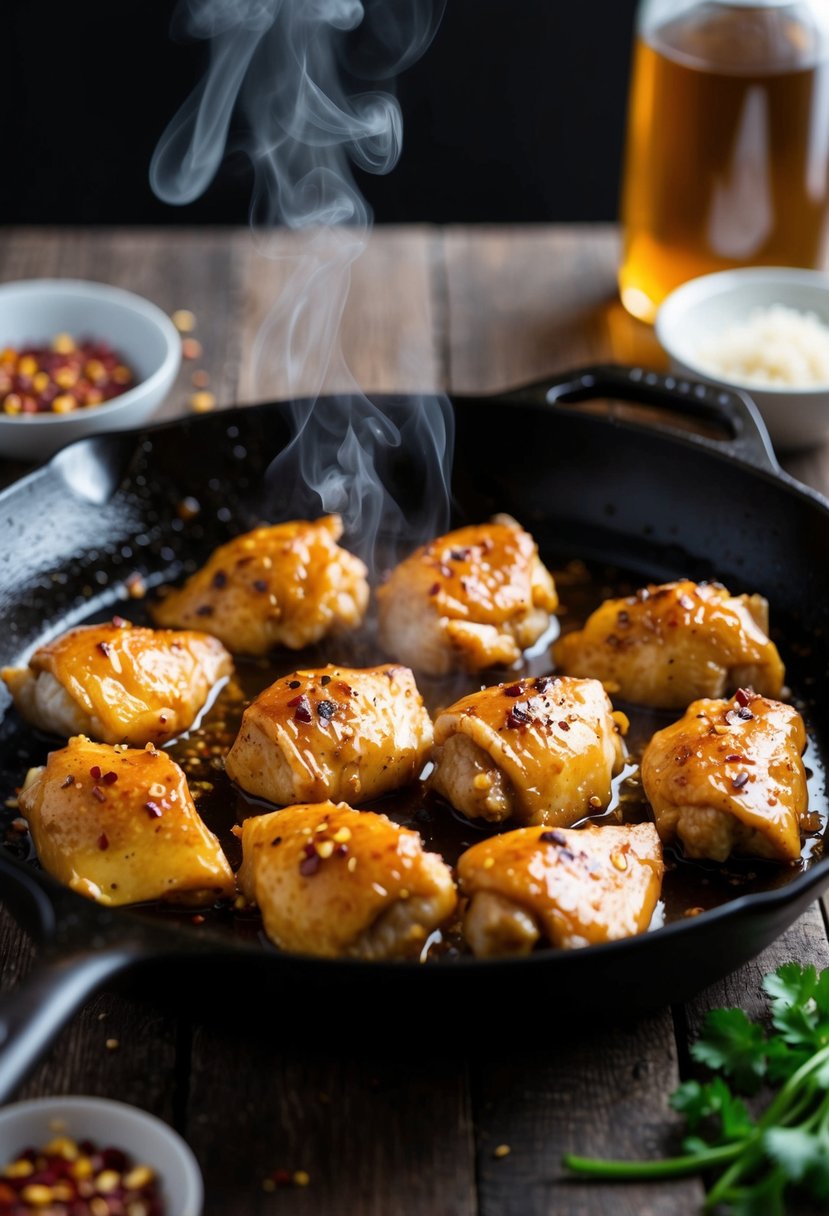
(689,887)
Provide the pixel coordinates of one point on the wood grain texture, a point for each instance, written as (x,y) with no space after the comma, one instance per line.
(378,1135)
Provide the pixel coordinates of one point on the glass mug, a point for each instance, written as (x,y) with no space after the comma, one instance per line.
(727,157)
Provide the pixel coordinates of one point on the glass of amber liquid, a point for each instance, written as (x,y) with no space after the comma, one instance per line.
(727,158)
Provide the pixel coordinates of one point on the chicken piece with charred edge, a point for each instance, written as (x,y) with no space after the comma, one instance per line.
(286,585)
(119,683)
(728,777)
(333,882)
(474,598)
(565,888)
(118,825)
(667,645)
(332,732)
(539,751)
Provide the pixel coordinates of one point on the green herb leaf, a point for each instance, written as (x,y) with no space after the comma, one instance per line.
(803,1155)
(731,1043)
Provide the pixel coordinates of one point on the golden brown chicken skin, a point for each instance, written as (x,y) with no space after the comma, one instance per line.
(728,778)
(474,598)
(668,644)
(539,751)
(285,585)
(565,888)
(119,683)
(333,881)
(118,825)
(332,732)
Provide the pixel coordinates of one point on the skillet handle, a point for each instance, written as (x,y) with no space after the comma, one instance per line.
(746,436)
(32,1014)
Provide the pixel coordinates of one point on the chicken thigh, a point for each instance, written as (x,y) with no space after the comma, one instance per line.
(333,881)
(119,683)
(471,599)
(728,778)
(335,732)
(286,585)
(538,751)
(119,826)
(668,644)
(567,888)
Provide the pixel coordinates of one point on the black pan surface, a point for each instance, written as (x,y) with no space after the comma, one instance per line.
(653,504)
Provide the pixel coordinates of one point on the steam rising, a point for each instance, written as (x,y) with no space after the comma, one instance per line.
(285,84)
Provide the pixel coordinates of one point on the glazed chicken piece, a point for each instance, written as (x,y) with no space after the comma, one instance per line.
(538,751)
(286,585)
(566,888)
(471,599)
(666,645)
(119,826)
(728,778)
(333,881)
(333,732)
(119,683)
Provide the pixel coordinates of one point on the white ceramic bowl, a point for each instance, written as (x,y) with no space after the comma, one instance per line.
(147,1140)
(144,336)
(700,308)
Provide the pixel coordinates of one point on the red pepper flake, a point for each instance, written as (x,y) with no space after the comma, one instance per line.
(327,709)
(309,865)
(514,690)
(103,841)
(434,589)
(119,622)
(345,689)
(739,781)
(204,610)
(98,793)
(460,555)
(736,758)
(302,707)
(198,919)
(518,717)
(544,683)
(742,696)
(564,725)
(341,850)
(67,781)
(104,648)
(109,778)
(95,773)
(219,580)
(152,809)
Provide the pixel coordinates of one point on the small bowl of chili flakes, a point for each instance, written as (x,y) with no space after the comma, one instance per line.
(77,357)
(79,1156)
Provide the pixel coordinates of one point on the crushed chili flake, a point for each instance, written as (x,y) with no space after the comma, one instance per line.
(103,841)
(119,622)
(544,683)
(518,717)
(309,865)
(95,773)
(98,793)
(434,589)
(514,690)
(109,778)
(742,696)
(564,725)
(104,648)
(69,1178)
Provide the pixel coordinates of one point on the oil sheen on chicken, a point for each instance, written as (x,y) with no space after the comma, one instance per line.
(563,888)
(333,732)
(286,585)
(119,826)
(539,751)
(668,644)
(119,683)
(472,599)
(333,881)
(728,777)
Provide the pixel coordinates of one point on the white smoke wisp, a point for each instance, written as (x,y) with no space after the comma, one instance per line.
(288,84)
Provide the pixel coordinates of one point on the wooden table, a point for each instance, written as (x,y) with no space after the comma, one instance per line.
(408,1132)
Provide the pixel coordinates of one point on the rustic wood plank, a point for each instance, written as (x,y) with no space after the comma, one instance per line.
(600,1092)
(376,1136)
(371,324)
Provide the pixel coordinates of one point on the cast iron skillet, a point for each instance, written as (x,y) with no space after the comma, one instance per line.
(661,503)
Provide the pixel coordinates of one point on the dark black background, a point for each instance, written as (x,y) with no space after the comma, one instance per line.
(515,113)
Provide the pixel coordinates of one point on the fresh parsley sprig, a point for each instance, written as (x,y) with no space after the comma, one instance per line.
(753,1161)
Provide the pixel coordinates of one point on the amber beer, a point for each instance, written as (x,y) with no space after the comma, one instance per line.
(728,148)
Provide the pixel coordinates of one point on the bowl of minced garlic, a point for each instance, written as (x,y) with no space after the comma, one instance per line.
(764,330)
(79,1156)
